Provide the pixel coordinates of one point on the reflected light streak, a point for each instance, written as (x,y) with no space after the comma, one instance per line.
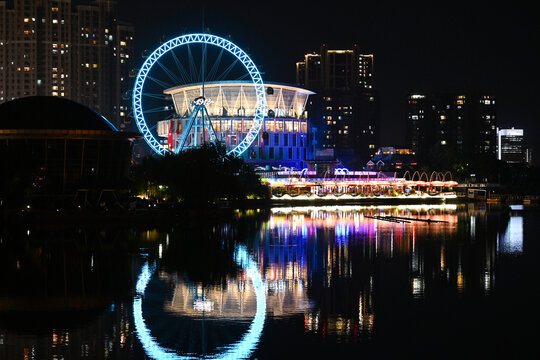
(239,350)
(512,240)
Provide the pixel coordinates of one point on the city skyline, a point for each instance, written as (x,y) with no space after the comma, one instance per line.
(482,47)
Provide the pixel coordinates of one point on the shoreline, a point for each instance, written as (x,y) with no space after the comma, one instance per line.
(229,210)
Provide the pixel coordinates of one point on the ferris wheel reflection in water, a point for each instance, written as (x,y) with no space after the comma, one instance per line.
(239,350)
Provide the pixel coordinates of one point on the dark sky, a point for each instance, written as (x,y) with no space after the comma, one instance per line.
(441,46)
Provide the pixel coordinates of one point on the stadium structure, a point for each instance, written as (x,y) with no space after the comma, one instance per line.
(285,138)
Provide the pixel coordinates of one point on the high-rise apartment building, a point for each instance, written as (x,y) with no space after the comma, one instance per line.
(56,48)
(345,109)
(456,126)
(510,146)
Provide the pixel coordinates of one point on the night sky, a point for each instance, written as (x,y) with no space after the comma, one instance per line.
(449,46)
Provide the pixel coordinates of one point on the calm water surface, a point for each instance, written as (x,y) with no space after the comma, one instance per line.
(307,282)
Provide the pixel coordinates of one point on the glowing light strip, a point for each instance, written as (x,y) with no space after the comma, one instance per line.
(260,108)
(238,350)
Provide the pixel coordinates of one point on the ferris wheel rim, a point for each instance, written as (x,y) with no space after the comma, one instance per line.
(208,39)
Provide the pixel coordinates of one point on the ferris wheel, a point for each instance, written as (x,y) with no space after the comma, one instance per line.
(194,59)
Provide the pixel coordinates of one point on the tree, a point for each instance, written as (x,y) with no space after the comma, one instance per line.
(199,177)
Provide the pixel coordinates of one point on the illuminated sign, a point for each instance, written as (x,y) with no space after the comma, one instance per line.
(201,100)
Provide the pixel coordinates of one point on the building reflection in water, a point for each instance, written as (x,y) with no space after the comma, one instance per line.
(332,265)
(336,270)
(338,256)
(65,292)
(511,241)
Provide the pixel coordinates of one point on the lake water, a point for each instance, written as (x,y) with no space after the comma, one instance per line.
(309,282)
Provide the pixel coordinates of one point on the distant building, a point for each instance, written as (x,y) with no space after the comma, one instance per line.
(285,138)
(392,160)
(455,126)
(528,156)
(345,110)
(510,146)
(79,52)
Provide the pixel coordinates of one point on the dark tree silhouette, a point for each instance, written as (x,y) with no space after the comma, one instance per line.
(199,177)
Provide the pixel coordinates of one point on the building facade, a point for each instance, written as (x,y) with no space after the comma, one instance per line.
(79,52)
(61,146)
(391,159)
(450,127)
(510,146)
(285,137)
(345,110)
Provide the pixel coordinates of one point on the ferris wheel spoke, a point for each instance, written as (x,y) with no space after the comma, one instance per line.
(158,109)
(193,72)
(157,96)
(182,71)
(243,77)
(203,64)
(215,66)
(169,73)
(227,71)
(160,82)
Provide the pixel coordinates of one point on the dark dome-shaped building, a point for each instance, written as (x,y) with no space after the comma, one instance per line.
(60,146)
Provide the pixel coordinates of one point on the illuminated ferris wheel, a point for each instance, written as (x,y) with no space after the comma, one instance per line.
(170,123)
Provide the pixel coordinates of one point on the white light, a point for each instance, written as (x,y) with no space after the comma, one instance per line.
(203,305)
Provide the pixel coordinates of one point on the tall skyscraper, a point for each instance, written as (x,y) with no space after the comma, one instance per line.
(345,109)
(451,126)
(52,47)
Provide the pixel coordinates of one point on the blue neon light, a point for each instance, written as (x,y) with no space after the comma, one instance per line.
(260,107)
(239,350)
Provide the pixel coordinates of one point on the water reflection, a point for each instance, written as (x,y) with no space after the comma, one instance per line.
(63,292)
(511,241)
(202,304)
(315,279)
(337,255)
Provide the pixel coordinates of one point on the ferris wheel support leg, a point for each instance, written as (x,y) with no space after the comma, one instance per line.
(209,126)
(187,131)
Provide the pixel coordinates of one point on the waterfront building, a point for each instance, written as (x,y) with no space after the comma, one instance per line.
(451,126)
(345,111)
(285,137)
(391,159)
(57,48)
(63,145)
(510,146)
